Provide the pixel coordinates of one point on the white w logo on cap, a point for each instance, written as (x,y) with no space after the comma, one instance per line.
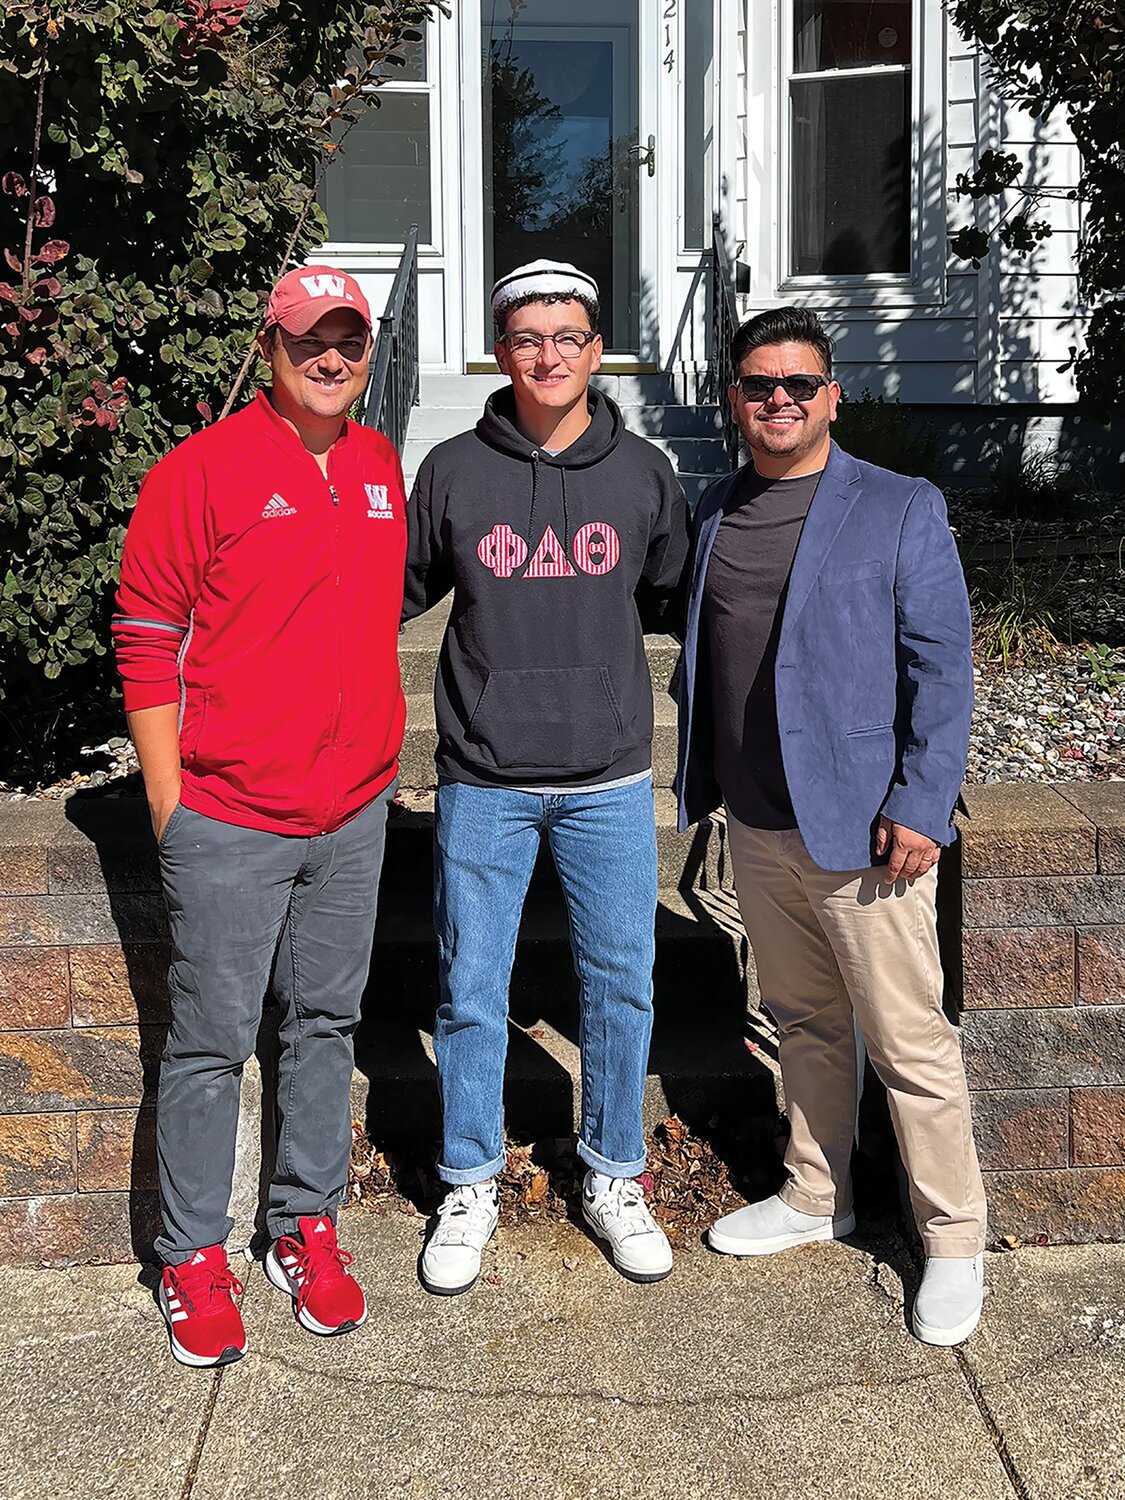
(324,286)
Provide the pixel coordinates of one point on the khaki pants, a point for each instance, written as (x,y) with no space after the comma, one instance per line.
(830,945)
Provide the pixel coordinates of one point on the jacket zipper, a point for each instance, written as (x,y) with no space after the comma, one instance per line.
(334,748)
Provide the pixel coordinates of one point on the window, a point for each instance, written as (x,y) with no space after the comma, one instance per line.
(381,182)
(698,103)
(850,138)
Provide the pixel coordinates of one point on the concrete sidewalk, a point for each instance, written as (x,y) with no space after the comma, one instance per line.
(783,1378)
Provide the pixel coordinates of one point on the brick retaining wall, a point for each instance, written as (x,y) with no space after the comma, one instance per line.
(1043,995)
(83,1010)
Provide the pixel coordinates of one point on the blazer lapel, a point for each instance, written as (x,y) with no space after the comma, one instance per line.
(837,492)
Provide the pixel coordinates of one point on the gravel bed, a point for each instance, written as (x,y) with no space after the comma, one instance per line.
(1053,723)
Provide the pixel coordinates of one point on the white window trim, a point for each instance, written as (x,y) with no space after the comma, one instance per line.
(359,252)
(766,233)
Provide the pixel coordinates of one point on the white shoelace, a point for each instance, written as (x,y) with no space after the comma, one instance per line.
(464,1217)
(627,1206)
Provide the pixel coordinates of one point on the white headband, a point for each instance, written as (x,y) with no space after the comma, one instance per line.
(543,278)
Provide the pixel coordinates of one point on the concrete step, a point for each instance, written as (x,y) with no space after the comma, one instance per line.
(437,423)
(703,968)
(420,742)
(694,1071)
(687,455)
(686,862)
(692,485)
(664,388)
(420,643)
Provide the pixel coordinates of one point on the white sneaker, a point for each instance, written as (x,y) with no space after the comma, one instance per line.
(949,1301)
(619,1214)
(769,1226)
(466,1221)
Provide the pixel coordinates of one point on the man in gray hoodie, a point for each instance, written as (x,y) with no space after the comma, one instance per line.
(562,537)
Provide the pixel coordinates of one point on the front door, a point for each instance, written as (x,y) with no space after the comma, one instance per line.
(568,158)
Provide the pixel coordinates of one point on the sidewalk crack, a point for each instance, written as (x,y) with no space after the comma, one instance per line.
(603,1397)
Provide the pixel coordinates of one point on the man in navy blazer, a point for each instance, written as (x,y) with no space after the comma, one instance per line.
(825,701)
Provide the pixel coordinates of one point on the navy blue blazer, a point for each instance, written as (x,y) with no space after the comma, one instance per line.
(874,668)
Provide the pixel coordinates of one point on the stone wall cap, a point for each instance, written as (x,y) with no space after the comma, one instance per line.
(1020,806)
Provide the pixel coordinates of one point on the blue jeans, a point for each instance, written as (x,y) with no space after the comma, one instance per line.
(604,848)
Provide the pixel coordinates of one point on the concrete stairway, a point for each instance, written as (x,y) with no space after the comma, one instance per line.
(700,1063)
(660,407)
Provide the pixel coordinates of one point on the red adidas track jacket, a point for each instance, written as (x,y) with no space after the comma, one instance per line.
(265,600)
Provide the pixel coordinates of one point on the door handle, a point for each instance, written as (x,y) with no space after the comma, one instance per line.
(646,155)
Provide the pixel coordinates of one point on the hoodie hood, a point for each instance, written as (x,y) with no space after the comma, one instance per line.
(497,427)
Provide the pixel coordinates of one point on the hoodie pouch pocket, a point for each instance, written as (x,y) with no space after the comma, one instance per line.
(560,719)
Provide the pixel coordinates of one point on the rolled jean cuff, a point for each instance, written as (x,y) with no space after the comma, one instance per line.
(610,1168)
(468,1176)
(953,1247)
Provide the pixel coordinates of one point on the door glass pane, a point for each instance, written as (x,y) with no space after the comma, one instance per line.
(560,122)
(379,183)
(850,183)
(850,33)
(699,122)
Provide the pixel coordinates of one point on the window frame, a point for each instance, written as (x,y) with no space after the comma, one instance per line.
(428,86)
(769,199)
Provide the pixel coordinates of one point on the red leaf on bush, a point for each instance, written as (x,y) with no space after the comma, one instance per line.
(12,329)
(43,214)
(204,410)
(14,184)
(8,293)
(13,260)
(48,286)
(29,314)
(101,390)
(36,356)
(50,252)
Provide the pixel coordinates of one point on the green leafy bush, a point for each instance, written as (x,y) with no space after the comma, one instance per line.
(157,168)
(881,432)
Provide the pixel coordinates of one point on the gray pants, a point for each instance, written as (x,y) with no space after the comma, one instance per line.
(247,909)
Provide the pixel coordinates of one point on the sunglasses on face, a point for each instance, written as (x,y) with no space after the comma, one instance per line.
(352,349)
(758,388)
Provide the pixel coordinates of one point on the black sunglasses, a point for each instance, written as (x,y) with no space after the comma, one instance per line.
(796,387)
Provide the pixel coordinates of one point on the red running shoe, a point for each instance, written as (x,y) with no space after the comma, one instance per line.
(197,1300)
(312,1268)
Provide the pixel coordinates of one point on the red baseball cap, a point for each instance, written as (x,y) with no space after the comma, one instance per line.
(302,297)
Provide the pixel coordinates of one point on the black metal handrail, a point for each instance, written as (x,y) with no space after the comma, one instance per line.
(724,325)
(393,387)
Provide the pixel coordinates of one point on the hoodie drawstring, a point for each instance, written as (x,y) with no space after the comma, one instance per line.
(566,516)
(534,493)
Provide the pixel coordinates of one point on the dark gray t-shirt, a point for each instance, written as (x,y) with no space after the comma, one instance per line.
(743,599)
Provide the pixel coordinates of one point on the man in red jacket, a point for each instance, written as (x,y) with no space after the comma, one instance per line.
(256,633)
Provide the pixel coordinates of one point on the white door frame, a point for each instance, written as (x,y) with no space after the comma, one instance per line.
(656,103)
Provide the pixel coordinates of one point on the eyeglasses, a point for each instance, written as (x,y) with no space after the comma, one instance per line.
(801,388)
(568,342)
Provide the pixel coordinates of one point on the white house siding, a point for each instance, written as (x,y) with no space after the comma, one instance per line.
(990,337)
